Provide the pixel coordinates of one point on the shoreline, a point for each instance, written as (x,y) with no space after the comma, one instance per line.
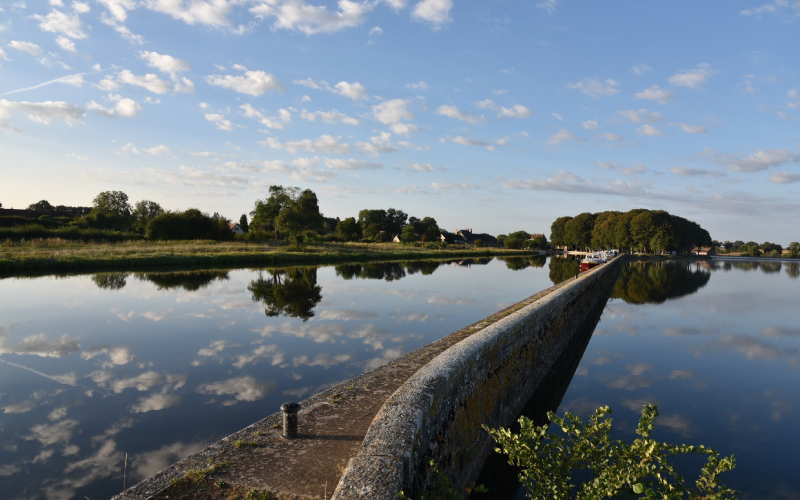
(105,258)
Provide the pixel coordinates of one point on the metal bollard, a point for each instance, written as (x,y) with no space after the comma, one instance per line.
(290,418)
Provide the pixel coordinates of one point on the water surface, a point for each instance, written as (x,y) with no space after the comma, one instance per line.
(160,364)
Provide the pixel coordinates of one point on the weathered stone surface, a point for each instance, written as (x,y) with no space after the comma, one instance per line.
(376,478)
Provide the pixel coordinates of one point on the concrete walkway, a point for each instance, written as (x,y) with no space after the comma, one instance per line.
(332,427)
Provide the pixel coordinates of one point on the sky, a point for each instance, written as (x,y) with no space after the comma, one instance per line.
(493,115)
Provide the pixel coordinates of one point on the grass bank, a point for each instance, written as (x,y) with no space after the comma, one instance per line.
(57,255)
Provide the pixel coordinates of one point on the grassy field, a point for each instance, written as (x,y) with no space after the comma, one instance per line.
(57,255)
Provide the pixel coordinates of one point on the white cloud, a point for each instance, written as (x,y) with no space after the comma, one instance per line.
(351,164)
(500,92)
(784,178)
(695,172)
(120,28)
(59,22)
(311,19)
(420,85)
(642,115)
(558,117)
(692,78)
(649,131)
(464,141)
(124,107)
(275,122)
(570,183)
(354,90)
(50,434)
(589,124)
(436,12)
(107,83)
(641,69)
(392,111)
(378,144)
(75,80)
(241,388)
(776,8)
(119,8)
(220,121)
(655,93)
(29,47)
(414,166)
(149,81)
(211,12)
(40,112)
(252,83)
(453,186)
(561,136)
(548,6)
(332,116)
(184,86)
(762,159)
(66,44)
(117,356)
(142,382)
(375,31)
(691,129)
(165,63)
(454,112)
(81,7)
(403,128)
(595,88)
(159,150)
(515,111)
(323,144)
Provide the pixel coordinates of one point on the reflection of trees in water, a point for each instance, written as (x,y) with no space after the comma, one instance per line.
(110,281)
(793,270)
(654,283)
(389,271)
(520,263)
(771,267)
(563,269)
(289,292)
(191,281)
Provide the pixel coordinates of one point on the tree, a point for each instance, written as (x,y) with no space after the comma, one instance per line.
(558,231)
(409,234)
(578,231)
(243,223)
(432,233)
(191,224)
(114,202)
(144,211)
(349,229)
(516,240)
(478,243)
(41,206)
(549,461)
(265,212)
(395,220)
(301,213)
(794,249)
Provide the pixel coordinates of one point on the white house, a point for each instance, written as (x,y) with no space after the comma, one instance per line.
(236,228)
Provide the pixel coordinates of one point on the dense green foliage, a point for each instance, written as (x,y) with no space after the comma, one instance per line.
(191,224)
(32,231)
(636,230)
(641,469)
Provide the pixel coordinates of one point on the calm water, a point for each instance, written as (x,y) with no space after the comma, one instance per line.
(716,345)
(158,365)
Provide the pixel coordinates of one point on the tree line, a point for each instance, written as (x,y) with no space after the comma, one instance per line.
(636,230)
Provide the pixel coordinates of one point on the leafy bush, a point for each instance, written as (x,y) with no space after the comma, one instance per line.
(619,470)
(34,231)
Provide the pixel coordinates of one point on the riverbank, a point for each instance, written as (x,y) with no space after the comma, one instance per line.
(52,256)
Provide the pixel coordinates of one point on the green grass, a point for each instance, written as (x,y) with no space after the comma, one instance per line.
(39,256)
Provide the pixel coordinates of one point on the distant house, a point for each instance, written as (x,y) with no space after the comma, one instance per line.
(533,236)
(467,237)
(236,228)
(703,251)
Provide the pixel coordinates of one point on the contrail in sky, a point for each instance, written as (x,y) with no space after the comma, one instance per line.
(40,85)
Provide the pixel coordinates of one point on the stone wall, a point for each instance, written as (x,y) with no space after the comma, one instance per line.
(485,379)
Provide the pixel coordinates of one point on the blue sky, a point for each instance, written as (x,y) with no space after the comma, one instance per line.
(495,115)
